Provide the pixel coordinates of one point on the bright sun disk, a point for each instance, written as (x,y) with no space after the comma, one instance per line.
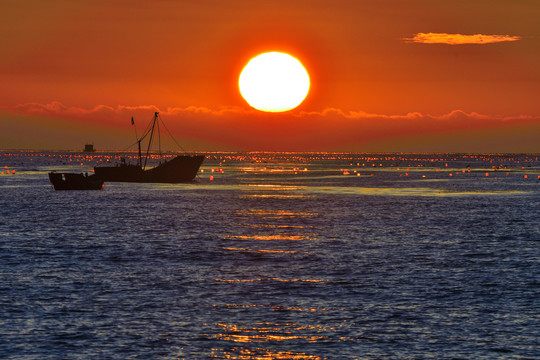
(274,82)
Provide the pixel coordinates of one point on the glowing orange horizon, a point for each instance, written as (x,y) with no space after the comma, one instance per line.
(378,80)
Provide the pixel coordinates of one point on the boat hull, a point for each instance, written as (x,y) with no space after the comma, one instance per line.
(69,181)
(177,170)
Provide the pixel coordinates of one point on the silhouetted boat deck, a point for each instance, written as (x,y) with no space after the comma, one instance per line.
(182,168)
(70,181)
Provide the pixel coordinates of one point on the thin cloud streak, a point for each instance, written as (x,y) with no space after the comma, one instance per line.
(235,128)
(460,39)
(123,112)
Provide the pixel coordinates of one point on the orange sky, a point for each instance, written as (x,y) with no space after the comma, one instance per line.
(415,75)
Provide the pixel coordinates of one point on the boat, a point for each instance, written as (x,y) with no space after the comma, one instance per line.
(89,148)
(180,169)
(72,181)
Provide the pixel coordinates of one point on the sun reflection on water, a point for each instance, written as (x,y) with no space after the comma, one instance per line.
(274,196)
(276,226)
(269,237)
(274,213)
(270,279)
(262,250)
(281,308)
(265,332)
(261,354)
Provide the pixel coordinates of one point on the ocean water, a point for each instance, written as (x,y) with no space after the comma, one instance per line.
(274,256)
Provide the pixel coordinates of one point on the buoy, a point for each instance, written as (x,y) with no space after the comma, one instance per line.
(487,174)
(525,176)
(211,178)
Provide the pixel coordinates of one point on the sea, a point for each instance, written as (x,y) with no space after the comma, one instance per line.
(274,256)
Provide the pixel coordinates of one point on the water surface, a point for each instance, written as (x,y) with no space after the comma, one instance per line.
(280,256)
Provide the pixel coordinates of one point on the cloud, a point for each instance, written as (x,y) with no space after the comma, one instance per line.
(459,39)
(235,128)
(57,109)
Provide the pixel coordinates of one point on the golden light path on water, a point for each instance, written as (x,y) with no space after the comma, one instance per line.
(362,191)
(266,228)
(269,231)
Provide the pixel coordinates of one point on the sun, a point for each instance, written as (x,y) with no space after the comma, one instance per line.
(274,82)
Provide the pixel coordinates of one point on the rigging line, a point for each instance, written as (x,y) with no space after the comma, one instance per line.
(146,131)
(127,148)
(172,137)
(150,141)
(159,141)
(145,134)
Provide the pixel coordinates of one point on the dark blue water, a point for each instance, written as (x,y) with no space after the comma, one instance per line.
(280,256)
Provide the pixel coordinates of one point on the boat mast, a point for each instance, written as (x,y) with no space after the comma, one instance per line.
(140,155)
(138,140)
(150,140)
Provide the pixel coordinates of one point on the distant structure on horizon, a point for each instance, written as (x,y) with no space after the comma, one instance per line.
(89,148)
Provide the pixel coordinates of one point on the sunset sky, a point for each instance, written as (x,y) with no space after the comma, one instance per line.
(411,75)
